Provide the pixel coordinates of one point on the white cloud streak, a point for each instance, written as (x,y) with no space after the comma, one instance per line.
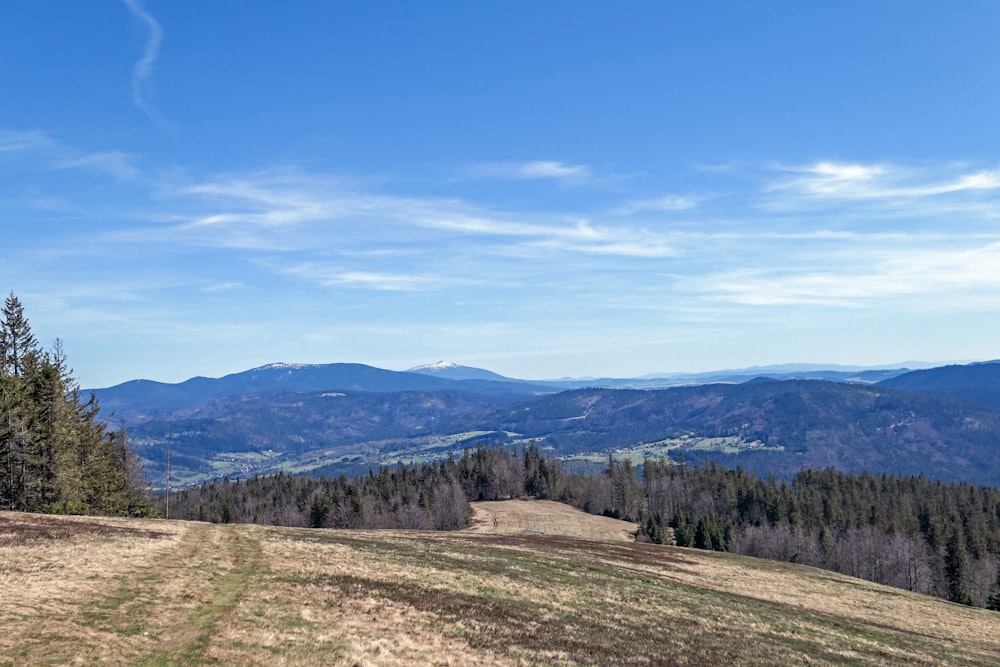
(332,232)
(843,181)
(328,276)
(222,287)
(142,71)
(893,274)
(20,142)
(116,163)
(664,204)
(37,147)
(552,170)
(266,205)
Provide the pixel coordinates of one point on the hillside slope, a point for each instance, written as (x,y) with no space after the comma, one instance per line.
(978,383)
(86,590)
(786,425)
(765,426)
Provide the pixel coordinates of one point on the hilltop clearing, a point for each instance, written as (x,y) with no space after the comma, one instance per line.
(131,591)
(546,517)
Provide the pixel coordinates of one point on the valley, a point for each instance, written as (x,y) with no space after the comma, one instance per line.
(348,418)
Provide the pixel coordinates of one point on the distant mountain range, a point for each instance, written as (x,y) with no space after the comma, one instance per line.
(142,400)
(138,401)
(332,418)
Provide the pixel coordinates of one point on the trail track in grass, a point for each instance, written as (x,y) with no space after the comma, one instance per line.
(84,590)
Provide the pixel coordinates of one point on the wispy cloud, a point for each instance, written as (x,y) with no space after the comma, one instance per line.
(663,204)
(329,276)
(29,140)
(142,71)
(40,149)
(550,169)
(821,249)
(833,180)
(937,275)
(263,207)
(222,287)
(534,170)
(116,163)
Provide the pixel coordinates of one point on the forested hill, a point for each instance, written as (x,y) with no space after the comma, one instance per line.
(979,383)
(785,426)
(766,426)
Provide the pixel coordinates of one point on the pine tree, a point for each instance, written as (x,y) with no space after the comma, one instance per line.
(55,453)
(956,570)
(128,475)
(994,600)
(19,355)
(702,535)
(18,346)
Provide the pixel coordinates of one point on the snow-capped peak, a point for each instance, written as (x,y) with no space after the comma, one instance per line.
(451,371)
(282,365)
(439,366)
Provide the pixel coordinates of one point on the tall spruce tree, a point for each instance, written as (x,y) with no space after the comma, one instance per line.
(18,346)
(55,453)
(956,569)
(19,355)
(993,602)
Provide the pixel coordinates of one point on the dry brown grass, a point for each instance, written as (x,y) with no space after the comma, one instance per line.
(50,565)
(548,518)
(88,591)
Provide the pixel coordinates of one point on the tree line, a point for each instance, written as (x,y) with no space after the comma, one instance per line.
(430,496)
(56,455)
(911,532)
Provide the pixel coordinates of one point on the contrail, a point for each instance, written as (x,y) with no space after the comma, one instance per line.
(144,67)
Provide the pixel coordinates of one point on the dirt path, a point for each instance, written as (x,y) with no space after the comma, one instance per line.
(87,592)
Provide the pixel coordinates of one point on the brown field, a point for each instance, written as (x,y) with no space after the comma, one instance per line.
(82,590)
(547,517)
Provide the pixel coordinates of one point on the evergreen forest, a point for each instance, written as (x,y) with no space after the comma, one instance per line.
(56,453)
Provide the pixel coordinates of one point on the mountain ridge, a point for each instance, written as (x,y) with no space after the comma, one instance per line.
(141,400)
(977,382)
(300,417)
(133,396)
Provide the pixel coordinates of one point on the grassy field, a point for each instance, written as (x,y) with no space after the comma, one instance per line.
(81,590)
(669,448)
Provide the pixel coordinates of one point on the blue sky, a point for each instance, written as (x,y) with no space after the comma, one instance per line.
(541,189)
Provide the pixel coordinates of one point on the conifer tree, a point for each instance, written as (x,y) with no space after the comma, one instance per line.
(18,346)
(956,570)
(994,600)
(55,453)
(18,357)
